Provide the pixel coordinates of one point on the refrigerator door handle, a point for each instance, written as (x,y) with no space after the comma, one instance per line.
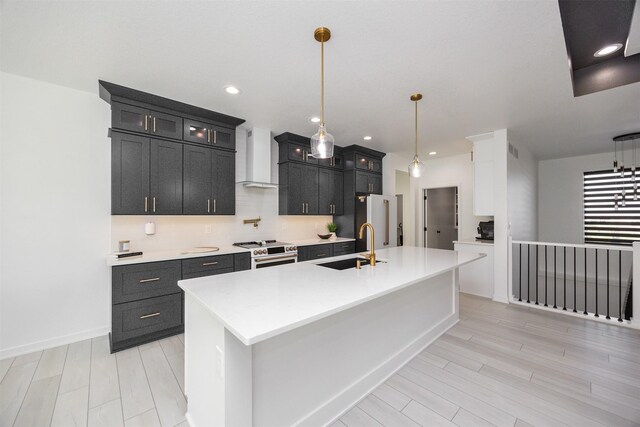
(386,222)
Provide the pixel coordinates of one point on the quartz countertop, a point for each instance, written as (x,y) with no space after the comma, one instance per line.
(112,260)
(259,304)
(319,241)
(474,242)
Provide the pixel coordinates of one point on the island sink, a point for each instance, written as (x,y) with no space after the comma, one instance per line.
(345,264)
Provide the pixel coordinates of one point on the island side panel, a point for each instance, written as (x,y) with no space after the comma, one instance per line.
(217,371)
(314,373)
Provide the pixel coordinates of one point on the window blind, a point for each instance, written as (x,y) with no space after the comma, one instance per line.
(603,223)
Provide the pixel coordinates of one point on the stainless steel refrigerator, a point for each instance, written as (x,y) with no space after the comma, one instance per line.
(381,212)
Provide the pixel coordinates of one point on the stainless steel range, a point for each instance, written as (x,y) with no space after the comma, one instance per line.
(269,253)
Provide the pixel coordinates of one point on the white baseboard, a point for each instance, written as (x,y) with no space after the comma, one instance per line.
(360,389)
(53,342)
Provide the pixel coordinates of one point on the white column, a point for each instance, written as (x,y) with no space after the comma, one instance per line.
(500,218)
(635,320)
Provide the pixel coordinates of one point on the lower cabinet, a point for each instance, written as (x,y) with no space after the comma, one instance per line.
(147,302)
(325,250)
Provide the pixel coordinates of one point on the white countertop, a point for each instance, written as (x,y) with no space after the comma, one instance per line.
(473,242)
(112,260)
(319,241)
(259,304)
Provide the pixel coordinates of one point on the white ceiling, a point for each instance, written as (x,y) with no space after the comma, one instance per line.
(481,65)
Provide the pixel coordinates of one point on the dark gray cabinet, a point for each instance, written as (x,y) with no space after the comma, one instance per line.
(366,182)
(165,178)
(146,176)
(298,189)
(325,250)
(144,120)
(209,134)
(329,192)
(209,181)
(369,163)
(148,304)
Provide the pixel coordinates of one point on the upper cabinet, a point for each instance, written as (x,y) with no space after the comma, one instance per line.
(143,120)
(146,176)
(208,134)
(483,170)
(169,158)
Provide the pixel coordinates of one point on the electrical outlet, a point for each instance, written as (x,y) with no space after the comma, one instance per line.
(207,229)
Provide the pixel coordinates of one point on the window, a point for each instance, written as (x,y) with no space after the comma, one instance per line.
(603,222)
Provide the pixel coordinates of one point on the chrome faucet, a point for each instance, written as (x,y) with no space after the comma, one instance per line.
(372,254)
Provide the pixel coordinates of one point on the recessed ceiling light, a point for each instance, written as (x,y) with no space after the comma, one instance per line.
(232,90)
(367,138)
(607,50)
(432,153)
(315,119)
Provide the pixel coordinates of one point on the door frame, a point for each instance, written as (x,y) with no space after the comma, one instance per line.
(424,209)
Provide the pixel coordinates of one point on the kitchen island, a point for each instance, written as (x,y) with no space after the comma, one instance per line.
(301,343)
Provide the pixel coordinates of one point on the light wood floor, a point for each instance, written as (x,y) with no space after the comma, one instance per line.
(501,365)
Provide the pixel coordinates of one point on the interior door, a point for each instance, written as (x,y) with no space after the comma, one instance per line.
(440,208)
(382,213)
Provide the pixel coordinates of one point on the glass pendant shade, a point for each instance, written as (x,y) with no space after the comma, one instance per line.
(322,144)
(416,167)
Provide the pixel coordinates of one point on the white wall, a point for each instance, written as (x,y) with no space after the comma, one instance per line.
(560,197)
(54,283)
(522,187)
(391,163)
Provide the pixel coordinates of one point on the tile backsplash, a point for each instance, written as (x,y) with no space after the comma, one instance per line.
(183,232)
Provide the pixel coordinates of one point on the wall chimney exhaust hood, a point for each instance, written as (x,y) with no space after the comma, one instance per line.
(259,159)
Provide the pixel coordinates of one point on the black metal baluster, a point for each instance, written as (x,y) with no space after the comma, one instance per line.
(585,281)
(596,312)
(528,273)
(555,275)
(608,317)
(619,286)
(537,274)
(564,279)
(575,262)
(546,275)
(520,273)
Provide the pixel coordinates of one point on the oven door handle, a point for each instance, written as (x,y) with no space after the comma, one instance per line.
(276,258)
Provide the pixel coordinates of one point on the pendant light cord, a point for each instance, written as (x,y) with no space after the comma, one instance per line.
(416,127)
(322,83)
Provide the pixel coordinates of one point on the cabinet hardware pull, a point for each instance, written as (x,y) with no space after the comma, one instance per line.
(322,254)
(146,204)
(155,279)
(386,222)
(208,205)
(276,258)
(208,135)
(146,126)
(215,136)
(214,205)
(307,207)
(154,124)
(157,313)
(345,246)
(303,208)
(154,204)
(204,264)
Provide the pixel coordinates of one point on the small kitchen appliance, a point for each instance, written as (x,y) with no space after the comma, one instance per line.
(269,253)
(485,229)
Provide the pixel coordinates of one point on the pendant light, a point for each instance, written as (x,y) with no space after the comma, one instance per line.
(416,166)
(322,142)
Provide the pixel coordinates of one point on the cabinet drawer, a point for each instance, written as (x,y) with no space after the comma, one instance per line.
(320,251)
(344,248)
(139,318)
(139,281)
(206,273)
(210,264)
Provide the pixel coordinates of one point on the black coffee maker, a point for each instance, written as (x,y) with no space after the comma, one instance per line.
(485,229)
